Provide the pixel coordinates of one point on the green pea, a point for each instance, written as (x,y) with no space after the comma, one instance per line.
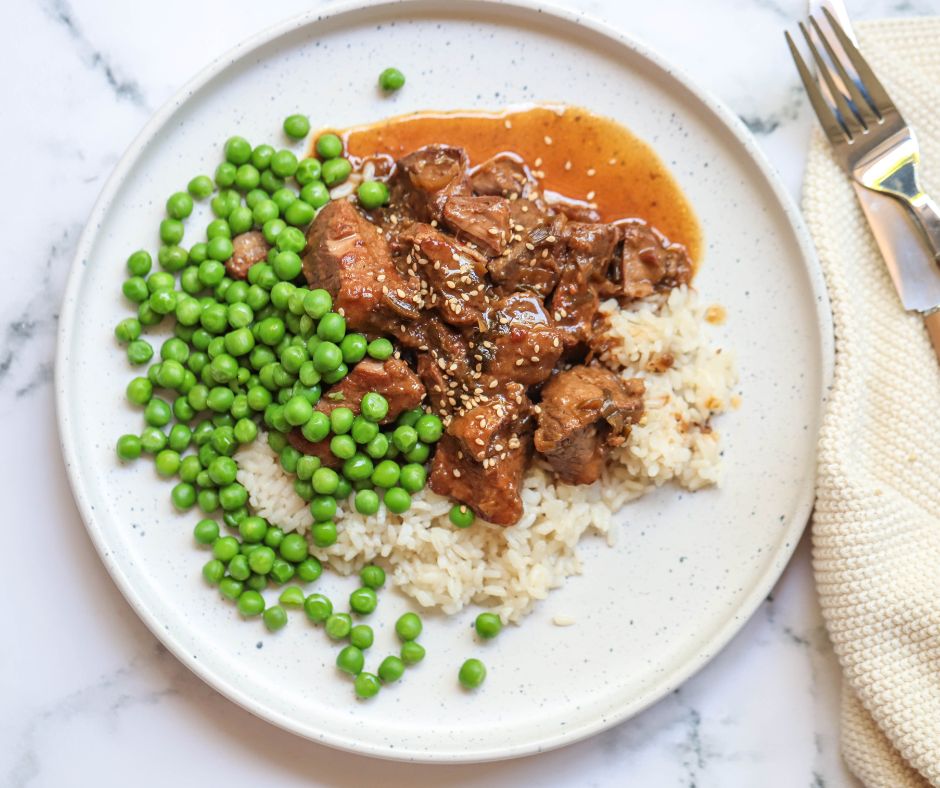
(363,600)
(200,187)
(281,571)
(220,399)
(309,569)
(129,447)
(323,507)
(372,194)
(397,500)
(257,582)
(323,534)
(372,576)
(296,126)
(338,626)
(374,406)
(157,413)
(253,529)
(350,660)
(332,327)
(283,198)
(391,669)
(127,330)
(391,79)
(308,170)
(461,516)
(245,430)
(233,496)
(241,220)
(413,477)
(293,548)
(291,239)
(292,596)
(237,150)
(139,352)
(429,428)
(335,172)
(183,496)
(318,608)
(306,467)
(213,571)
(378,447)
(408,627)
(261,156)
(380,349)
(247,177)
(329,146)
(139,391)
(238,567)
(139,263)
(284,163)
(315,193)
(179,205)
(358,467)
(261,560)
(270,182)
(488,625)
(412,652)
(419,453)
(361,636)
(275,618)
(250,603)
(230,587)
(171,231)
(386,474)
(167,462)
(206,532)
(287,265)
(220,248)
(273,537)
(472,673)
(299,213)
(367,502)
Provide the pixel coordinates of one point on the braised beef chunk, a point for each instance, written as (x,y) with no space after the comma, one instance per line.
(444,367)
(648,264)
(247,249)
(454,275)
(584,411)
(502,176)
(424,180)
(529,260)
(393,379)
(490,428)
(584,252)
(490,489)
(349,257)
(522,343)
(483,221)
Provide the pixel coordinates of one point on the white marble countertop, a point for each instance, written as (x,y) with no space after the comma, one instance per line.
(88,695)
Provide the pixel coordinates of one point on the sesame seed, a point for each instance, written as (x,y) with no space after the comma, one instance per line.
(493,231)
(538,162)
(529,246)
(507,123)
(519,362)
(591,172)
(456,473)
(494,384)
(534,359)
(568,165)
(479,442)
(548,140)
(433,222)
(550,239)
(590,195)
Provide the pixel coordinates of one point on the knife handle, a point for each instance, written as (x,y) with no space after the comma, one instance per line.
(927,215)
(932,322)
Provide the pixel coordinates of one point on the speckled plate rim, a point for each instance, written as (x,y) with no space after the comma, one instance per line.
(789,536)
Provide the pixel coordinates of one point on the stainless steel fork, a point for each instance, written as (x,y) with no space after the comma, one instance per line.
(873,143)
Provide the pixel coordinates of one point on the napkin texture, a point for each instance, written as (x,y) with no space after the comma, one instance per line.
(876,527)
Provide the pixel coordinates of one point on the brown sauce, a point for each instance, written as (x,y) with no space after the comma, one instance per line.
(573,153)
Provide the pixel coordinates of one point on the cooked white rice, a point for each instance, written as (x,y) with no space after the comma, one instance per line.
(508,569)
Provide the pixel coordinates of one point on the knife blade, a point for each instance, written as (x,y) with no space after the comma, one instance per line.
(910,262)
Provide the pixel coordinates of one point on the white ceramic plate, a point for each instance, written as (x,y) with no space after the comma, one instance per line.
(688,569)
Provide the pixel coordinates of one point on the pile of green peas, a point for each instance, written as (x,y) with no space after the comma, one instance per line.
(263,351)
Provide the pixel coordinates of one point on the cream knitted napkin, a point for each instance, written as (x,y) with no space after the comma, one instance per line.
(876,528)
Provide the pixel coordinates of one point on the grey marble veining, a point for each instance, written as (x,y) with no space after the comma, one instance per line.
(88,694)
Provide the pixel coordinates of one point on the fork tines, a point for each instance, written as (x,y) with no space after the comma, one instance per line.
(851,104)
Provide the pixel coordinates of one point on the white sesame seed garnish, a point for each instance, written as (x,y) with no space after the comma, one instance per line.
(591,172)
(590,195)
(568,165)
(548,140)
